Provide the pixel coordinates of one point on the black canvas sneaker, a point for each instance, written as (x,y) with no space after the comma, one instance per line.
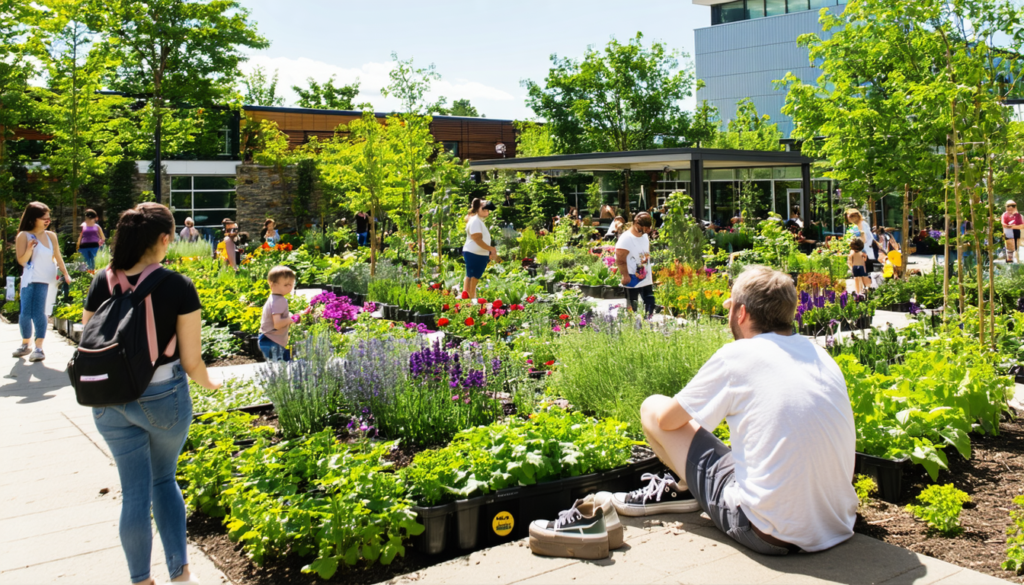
(663,495)
(578,533)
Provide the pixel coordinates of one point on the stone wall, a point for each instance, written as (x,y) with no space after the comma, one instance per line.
(144,182)
(260,193)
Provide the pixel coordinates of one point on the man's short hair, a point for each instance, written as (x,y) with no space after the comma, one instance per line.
(278,272)
(769,296)
(643,219)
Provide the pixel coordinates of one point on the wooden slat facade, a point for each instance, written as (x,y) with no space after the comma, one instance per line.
(476,137)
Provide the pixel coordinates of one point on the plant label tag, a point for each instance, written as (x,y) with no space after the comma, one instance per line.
(503,523)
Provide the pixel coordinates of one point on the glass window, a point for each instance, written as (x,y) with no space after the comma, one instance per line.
(452,147)
(774,7)
(180,217)
(796,5)
(183,183)
(733,11)
(214,199)
(181,199)
(214,183)
(720,174)
(787,173)
(755,9)
(816,4)
(761,173)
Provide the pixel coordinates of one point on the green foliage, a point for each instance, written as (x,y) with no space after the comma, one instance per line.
(233,393)
(261,90)
(120,192)
(459,108)
(582,100)
(533,139)
(749,131)
(326,96)
(410,84)
(218,342)
(941,508)
(926,290)
(681,234)
(305,183)
(662,359)
(1015,538)
(550,445)
(865,487)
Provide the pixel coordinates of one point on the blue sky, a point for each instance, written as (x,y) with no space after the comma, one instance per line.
(482,48)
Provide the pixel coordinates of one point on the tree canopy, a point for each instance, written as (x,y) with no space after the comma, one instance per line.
(624,97)
(327,96)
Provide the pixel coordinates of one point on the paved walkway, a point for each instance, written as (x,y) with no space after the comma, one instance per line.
(55,525)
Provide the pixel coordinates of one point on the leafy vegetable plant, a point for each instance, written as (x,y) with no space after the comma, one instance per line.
(941,508)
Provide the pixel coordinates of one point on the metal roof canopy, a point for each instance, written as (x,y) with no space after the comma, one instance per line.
(676,159)
(695,160)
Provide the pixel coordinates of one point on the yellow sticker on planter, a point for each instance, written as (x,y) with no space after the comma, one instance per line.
(503,523)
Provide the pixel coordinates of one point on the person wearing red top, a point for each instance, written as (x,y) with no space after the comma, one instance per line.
(1012,222)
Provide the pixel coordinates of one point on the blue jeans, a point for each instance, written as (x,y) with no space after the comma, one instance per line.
(363,238)
(33,310)
(272,351)
(89,255)
(145,438)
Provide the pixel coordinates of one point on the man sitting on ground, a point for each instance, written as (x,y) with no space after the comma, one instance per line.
(786,483)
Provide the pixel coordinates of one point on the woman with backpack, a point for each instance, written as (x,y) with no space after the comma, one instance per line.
(39,253)
(146,435)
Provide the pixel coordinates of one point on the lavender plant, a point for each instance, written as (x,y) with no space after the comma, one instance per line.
(306,392)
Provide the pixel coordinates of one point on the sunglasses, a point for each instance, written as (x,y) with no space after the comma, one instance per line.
(232,230)
(1009,206)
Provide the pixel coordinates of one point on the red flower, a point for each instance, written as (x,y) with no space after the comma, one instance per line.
(483,311)
(469,321)
(551,363)
(445,307)
(265,246)
(465,295)
(497,304)
(435,286)
(442,322)
(482,301)
(458,307)
(563,317)
(530,299)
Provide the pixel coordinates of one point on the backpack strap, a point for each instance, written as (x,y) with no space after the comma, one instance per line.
(146,293)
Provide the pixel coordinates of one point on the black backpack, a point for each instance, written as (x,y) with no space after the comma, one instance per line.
(116,358)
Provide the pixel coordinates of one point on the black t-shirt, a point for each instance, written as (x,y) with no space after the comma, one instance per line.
(176,295)
(362,223)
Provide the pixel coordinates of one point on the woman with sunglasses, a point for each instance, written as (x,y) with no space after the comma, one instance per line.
(633,258)
(39,254)
(230,237)
(1012,220)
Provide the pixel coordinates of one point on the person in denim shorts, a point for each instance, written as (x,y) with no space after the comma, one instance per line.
(785,483)
(146,436)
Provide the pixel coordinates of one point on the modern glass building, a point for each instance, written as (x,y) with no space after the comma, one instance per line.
(749,45)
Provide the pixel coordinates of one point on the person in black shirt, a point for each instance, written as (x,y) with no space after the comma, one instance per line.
(146,436)
(363,228)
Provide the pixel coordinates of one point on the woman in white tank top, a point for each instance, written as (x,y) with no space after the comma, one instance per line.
(39,254)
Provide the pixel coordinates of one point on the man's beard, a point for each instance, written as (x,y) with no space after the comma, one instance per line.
(734,325)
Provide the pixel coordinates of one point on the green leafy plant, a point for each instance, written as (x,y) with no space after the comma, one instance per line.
(941,508)
(865,487)
(218,342)
(1015,538)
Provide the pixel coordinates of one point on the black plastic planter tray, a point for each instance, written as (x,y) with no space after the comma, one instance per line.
(251,409)
(897,307)
(887,473)
(505,515)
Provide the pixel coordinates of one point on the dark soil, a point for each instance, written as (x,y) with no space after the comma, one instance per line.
(234,360)
(992,477)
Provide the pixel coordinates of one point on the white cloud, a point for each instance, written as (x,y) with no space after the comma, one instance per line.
(371,76)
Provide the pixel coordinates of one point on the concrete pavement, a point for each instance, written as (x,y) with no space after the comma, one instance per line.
(55,525)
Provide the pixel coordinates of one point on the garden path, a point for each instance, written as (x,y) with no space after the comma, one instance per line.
(687,548)
(55,525)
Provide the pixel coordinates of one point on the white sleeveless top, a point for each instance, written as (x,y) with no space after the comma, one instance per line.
(41,268)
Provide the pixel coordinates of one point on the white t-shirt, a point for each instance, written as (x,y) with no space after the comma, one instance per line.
(476,225)
(639,254)
(792,432)
(863,231)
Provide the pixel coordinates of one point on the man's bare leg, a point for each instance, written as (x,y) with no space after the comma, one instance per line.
(671,447)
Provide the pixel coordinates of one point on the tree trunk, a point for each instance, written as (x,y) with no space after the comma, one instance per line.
(991,255)
(906,228)
(945,247)
(419,227)
(959,213)
(158,187)
(373,237)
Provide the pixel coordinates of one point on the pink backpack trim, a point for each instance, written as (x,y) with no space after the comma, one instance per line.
(122,279)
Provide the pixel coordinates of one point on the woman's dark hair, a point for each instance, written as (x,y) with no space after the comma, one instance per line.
(137,231)
(33,211)
(90,214)
(643,219)
(266,228)
(474,208)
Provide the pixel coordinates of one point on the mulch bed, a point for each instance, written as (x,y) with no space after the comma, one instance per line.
(993,476)
(234,360)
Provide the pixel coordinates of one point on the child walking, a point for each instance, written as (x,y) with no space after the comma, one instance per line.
(857,262)
(273,340)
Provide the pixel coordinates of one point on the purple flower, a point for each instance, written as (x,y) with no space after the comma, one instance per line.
(914,309)
(843,299)
(369,307)
(830,341)
(296,318)
(832,323)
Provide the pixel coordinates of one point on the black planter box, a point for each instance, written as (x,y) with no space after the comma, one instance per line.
(550,287)
(403,315)
(887,473)
(11,318)
(426,319)
(861,323)
(479,522)
(898,307)
(387,311)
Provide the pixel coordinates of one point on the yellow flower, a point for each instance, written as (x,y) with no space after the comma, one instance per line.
(707,294)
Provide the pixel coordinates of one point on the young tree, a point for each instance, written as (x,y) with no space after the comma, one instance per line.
(704,127)
(327,96)
(626,97)
(176,53)
(73,112)
(120,191)
(749,131)
(15,104)
(410,85)
(261,90)
(459,108)
(533,139)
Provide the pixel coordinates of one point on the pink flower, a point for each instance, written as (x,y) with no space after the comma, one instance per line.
(556,329)
(529,361)
(296,318)
(455,398)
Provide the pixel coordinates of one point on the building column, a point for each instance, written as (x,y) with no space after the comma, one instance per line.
(697,188)
(805,198)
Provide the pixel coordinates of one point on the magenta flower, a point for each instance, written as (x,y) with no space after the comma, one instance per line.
(455,398)
(556,329)
(296,318)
